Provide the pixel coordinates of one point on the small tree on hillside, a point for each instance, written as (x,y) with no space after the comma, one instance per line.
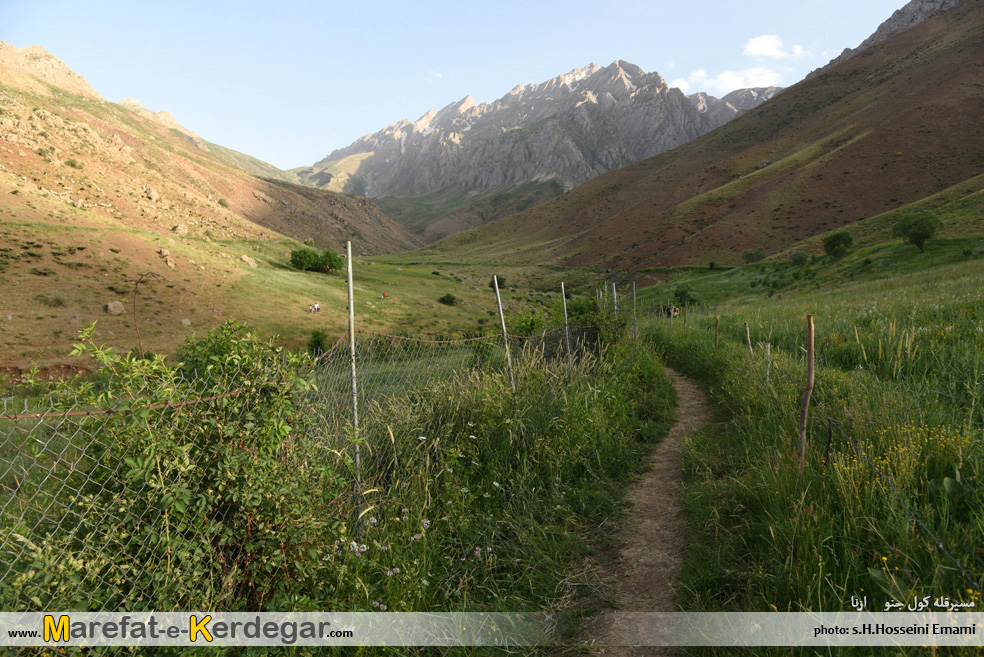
(918,227)
(753,255)
(330,261)
(304,259)
(799,258)
(501,279)
(837,244)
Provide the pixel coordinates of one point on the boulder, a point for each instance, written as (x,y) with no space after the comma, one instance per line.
(186,321)
(180,229)
(115,308)
(164,253)
(249,261)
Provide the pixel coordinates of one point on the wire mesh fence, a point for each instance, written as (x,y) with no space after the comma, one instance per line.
(148,487)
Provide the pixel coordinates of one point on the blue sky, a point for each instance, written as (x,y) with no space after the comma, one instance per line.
(290,82)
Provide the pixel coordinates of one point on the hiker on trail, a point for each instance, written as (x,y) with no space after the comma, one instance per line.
(310,309)
(317,307)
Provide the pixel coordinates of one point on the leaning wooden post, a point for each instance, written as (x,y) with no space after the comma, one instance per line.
(615,299)
(748,341)
(768,362)
(635,316)
(807,393)
(355,393)
(717,322)
(505,337)
(567,328)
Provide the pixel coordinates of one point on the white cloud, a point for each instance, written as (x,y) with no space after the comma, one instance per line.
(770,46)
(434,74)
(728,81)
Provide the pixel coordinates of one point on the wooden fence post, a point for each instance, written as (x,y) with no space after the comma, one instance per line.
(567,328)
(807,393)
(768,362)
(717,322)
(505,337)
(748,341)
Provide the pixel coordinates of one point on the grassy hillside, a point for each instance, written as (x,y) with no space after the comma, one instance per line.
(894,126)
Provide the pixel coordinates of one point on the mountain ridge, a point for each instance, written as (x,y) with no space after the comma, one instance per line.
(550,135)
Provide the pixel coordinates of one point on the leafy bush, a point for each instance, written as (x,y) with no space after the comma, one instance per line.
(501,279)
(751,256)
(838,244)
(309,241)
(917,227)
(318,342)
(223,202)
(314,260)
(448,299)
(72,162)
(684,296)
(799,258)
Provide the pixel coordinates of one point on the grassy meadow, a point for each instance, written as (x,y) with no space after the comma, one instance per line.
(900,369)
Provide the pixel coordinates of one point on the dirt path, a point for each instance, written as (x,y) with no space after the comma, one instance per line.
(651,540)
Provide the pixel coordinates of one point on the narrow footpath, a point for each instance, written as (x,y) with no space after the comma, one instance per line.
(651,539)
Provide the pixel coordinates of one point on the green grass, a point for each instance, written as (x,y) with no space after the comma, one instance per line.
(900,364)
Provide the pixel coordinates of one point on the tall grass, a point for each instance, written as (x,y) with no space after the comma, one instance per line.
(899,369)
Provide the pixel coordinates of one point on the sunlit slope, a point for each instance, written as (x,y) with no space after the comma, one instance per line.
(896,124)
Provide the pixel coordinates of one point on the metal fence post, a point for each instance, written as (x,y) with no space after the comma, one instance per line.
(505,337)
(355,394)
(615,299)
(567,328)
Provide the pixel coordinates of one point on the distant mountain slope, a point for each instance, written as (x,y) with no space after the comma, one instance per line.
(142,167)
(913,13)
(529,145)
(899,122)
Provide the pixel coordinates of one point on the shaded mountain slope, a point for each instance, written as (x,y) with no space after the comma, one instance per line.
(892,125)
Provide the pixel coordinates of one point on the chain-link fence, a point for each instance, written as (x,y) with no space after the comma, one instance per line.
(205,486)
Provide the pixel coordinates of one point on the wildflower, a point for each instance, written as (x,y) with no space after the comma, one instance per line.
(389,573)
(416,537)
(464,490)
(382,607)
(396,570)
(422,438)
(426,523)
(495,483)
(473,437)
(372,520)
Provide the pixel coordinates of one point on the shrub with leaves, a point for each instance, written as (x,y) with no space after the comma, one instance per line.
(917,227)
(838,244)
(194,493)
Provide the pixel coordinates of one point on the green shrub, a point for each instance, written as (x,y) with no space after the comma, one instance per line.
(448,299)
(838,244)
(751,256)
(917,227)
(500,279)
(223,202)
(309,241)
(72,162)
(799,258)
(318,342)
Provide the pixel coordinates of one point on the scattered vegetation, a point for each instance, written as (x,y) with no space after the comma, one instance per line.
(224,202)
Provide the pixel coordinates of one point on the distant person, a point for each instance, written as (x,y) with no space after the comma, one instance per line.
(310,309)
(317,307)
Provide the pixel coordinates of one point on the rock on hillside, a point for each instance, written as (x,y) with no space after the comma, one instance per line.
(565,131)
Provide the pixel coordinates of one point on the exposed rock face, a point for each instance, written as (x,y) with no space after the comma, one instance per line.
(249,261)
(915,12)
(567,129)
(34,68)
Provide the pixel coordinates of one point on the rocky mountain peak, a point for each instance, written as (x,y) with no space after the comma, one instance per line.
(35,69)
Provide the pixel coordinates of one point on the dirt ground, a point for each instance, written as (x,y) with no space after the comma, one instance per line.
(651,539)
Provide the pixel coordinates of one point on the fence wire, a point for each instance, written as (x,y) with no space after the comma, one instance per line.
(140,495)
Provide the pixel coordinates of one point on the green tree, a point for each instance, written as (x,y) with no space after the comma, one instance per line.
(750,255)
(684,296)
(837,244)
(330,261)
(918,227)
(448,299)
(502,282)
(799,258)
(304,259)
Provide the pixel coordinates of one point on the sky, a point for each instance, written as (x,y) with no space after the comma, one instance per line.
(290,82)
